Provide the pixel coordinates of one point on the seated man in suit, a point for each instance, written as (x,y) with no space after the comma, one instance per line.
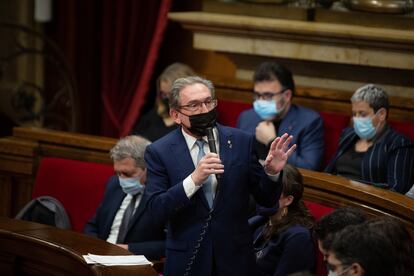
(122,218)
(273,114)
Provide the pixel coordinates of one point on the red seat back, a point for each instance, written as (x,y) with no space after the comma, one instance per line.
(404,127)
(319,210)
(333,124)
(229,111)
(78,185)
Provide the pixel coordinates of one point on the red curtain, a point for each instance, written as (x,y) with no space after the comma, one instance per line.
(131,36)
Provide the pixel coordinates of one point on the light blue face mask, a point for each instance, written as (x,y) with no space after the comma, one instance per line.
(265,109)
(131,185)
(364,128)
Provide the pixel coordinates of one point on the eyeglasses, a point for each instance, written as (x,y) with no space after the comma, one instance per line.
(196,106)
(267,96)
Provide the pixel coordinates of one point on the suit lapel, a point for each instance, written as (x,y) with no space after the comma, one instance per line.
(288,122)
(184,164)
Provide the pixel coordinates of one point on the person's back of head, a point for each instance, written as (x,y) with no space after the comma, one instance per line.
(361,251)
(336,221)
(269,71)
(402,243)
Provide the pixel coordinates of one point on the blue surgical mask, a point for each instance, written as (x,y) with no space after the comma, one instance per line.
(131,185)
(265,109)
(364,128)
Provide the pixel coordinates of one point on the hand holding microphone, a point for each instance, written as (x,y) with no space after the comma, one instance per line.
(212,144)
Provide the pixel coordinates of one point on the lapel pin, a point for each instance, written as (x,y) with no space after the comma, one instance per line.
(229,143)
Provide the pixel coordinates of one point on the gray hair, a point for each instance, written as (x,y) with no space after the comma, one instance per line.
(181,83)
(130,146)
(374,95)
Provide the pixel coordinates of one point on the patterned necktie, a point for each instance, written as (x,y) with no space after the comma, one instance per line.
(207,185)
(129,211)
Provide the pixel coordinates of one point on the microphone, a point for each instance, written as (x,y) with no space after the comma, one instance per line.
(212,144)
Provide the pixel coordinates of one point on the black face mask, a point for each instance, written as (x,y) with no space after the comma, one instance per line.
(200,122)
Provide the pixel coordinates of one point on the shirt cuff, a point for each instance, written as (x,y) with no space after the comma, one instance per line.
(273,177)
(189,186)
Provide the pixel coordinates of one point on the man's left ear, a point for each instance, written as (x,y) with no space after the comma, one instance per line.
(356,269)
(288,94)
(174,116)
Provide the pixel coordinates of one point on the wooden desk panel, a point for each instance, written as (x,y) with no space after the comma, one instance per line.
(29,248)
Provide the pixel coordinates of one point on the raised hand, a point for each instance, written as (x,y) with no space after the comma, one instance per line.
(279,153)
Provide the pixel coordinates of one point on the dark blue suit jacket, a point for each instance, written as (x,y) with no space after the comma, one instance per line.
(228,240)
(306,127)
(388,163)
(291,251)
(145,235)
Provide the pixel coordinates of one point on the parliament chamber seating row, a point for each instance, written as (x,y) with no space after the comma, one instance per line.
(74,167)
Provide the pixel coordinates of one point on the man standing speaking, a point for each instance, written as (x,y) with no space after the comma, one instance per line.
(204,196)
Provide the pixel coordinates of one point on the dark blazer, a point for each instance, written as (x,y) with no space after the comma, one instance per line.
(227,244)
(306,127)
(291,251)
(388,163)
(145,235)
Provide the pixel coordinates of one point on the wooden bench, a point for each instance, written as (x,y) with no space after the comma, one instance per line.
(29,248)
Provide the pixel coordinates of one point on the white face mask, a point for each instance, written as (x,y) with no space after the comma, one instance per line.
(334,273)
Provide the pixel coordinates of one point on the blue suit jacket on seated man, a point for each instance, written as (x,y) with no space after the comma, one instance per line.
(174,186)
(306,127)
(145,236)
(274,114)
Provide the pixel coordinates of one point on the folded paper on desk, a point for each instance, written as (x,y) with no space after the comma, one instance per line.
(116,260)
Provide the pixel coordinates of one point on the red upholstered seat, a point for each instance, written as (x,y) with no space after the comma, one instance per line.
(78,185)
(404,127)
(229,111)
(333,124)
(318,211)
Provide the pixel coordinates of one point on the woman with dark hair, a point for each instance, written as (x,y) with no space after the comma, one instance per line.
(284,244)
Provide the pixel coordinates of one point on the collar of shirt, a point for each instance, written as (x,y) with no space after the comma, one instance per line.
(190,140)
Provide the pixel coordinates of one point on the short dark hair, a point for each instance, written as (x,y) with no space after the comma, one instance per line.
(370,249)
(269,70)
(337,220)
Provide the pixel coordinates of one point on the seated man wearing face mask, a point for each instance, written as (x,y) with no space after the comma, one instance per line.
(273,113)
(122,216)
(372,151)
